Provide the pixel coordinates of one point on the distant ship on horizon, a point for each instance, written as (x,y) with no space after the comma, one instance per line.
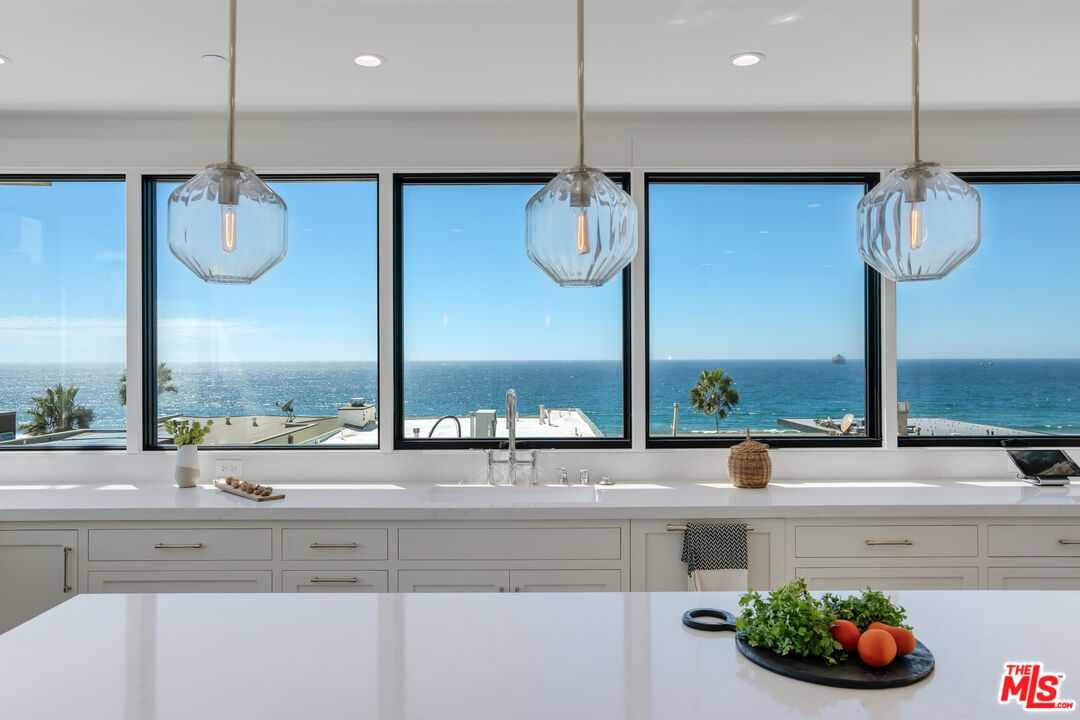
(839,359)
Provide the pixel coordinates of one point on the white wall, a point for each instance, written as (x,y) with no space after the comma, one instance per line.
(385,143)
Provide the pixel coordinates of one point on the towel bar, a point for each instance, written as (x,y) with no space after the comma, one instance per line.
(672,527)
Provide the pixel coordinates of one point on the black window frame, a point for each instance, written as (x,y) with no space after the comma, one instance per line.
(149,306)
(1018,177)
(515,178)
(871,309)
(71,177)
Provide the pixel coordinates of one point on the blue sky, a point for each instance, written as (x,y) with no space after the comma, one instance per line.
(1017,296)
(754,271)
(736,272)
(472,294)
(319,303)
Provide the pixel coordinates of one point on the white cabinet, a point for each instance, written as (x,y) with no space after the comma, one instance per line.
(1035,578)
(1034,540)
(655,551)
(509,543)
(453,581)
(509,581)
(38,569)
(180,581)
(886,541)
(890,578)
(335,580)
(565,580)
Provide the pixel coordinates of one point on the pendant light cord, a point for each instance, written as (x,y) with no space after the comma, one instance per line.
(914,77)
(580,81)
(232,83)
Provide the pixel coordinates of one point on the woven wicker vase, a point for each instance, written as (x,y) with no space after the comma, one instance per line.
(749,465)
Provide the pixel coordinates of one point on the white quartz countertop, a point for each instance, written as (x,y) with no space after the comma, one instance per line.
(544,656)
(151,501)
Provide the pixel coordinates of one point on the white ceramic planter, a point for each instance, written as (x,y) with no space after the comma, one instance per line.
(187,465)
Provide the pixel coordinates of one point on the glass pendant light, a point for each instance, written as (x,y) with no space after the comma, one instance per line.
(581,228)
(225,224)
(921,221)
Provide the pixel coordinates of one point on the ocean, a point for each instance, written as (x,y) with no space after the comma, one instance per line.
(1036,395)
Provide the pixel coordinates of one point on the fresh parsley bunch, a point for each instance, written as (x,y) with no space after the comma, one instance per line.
(871,606)
(788,621)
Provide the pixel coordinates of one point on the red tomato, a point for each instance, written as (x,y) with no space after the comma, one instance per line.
(845,633)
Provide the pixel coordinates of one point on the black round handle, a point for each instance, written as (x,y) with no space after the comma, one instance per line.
(726,618)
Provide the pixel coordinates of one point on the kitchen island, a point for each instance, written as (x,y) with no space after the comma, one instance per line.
(552,656)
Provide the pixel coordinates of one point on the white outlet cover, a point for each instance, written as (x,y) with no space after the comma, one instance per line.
(229,468)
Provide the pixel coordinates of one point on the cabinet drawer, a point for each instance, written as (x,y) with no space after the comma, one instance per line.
(180,581)
(1035,578)
(881,541)
(180,544)
(1033,540)
(333,544)
(509,543)
(890,578)
(334,580)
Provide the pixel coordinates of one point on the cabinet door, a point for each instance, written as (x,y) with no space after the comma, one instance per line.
(566,580)
(336,580)
(37,571)
(890,578)
(462,581)
(655,553)
(180,581)
(1035,578)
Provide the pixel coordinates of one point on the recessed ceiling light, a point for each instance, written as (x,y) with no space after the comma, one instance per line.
(4,60)
(215,59)
(786,18)
(747,59)
(368,60)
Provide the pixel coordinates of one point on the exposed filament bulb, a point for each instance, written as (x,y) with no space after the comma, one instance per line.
(582,233)
(918,228)
(228,228)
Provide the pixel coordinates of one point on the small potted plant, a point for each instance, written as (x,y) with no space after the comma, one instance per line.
(187,438)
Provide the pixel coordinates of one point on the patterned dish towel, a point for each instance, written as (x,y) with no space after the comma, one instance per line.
(715,556)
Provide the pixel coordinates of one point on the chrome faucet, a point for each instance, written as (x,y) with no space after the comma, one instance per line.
(511,431)
(511,459)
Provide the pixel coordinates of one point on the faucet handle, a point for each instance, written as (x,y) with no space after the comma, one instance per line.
(563,480)
(583,477)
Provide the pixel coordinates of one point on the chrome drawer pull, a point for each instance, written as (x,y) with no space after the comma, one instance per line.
(334,580)
(351,546)
(67,585)
(1063,541)
(169,546)
(889,542)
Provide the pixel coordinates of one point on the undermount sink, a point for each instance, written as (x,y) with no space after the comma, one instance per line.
(516,494)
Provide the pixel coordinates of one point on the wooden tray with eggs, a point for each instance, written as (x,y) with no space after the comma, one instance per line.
(251,491)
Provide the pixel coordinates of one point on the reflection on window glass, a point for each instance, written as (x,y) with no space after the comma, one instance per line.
(992,349)
(291,358)
(479,318)
(62,318)
(756,310)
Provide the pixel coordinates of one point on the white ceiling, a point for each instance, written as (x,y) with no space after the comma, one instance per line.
(642,55)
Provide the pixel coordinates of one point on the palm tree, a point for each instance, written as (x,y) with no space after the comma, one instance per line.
(164,382)
(56,411)
(714,394)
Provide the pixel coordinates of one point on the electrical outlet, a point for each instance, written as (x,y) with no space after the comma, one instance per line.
(229,468)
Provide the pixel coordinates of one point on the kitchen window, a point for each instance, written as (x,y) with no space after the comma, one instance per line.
(63,314)
(761,315)
(990,354)
(287,361)
(476,318)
